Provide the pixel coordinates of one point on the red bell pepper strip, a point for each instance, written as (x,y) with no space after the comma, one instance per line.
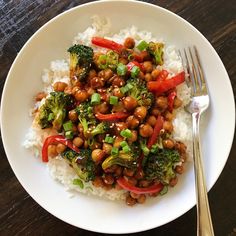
(131,64)
(53,140)
(162,75)
(106,43)
(155,188)
(112,116)
(163,86)
(156,131)
(171,98)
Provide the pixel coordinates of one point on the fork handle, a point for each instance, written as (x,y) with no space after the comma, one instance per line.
(204,223)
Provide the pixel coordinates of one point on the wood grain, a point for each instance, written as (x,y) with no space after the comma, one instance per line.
(19,19)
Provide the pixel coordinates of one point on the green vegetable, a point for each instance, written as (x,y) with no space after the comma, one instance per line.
(101,128)
(164,190)
(109,139)
(110,60)
(161,165)
(126,149)
(156,50)
(121,69)
(78,182)
(81,58)
(135,71)
(95,99)
(142,45)
(68,125)
(113,100)
(123,144)
(53,112)
(69,134)
(114,151)
(126,133)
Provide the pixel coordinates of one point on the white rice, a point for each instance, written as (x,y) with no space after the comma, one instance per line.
(59,71)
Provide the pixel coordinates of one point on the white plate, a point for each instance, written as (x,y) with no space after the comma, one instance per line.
(23,81)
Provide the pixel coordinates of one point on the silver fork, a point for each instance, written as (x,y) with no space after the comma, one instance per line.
(198,104)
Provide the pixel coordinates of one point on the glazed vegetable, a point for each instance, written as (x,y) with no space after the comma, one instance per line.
(109,60)
(161,165)
(156,50)
(171,98)
(101,128)
(81,58)
(52,113)
(112,116)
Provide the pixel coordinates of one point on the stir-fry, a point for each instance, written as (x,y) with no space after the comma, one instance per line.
(114,118)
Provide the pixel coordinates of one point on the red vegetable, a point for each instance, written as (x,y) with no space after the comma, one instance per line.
(106,43)
(155,188)
(156,131)
(54,140)
(131,64)
(162,75)
(112,116)
(171,98)
(161,86)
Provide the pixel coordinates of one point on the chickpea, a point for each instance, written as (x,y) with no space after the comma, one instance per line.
(144,183)
(97,155)
(155,74)
(59,86)
(73,116)
(40,96)
(169,116)
(145,55)
(75,89)
(179,169)
(108,179)
(132,122)
(168,143)
(81,95)
(128,172)
(148,77)
(107,148)
(141,198)
(92,73)
(52,150)
(118,171)
(132,180)
(162,102)
(112,169)
(168,126)
(90,91)
(117,93)
(121,126)
(107,187)
(101,73)
(95,145)
(60,148)
(129,43)
(117,141)
(118,81)
(155,112)
(68,90)
(96,82)
(108,73)
(173,181)
(148,66)
(78,142)
(181,148)
(98,182)
(145,130)
(119,107)
(134,195)
(86,144)
(140,112)
(151,120)
(177,103)
(80,128)
(130,103)
(118,187)
(134,136)
(141,75)
(101,108)
(123,60)
(130,201)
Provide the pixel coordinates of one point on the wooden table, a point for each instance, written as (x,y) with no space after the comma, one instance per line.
(19,213)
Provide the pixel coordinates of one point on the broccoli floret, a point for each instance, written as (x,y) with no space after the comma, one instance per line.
(81,58)
(82,163)
(52,113)
(101,128)
(86,116)
(156,50)
(138,90)
(161,165)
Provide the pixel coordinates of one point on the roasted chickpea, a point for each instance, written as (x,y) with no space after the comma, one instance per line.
(134,136)
(81,95)
(123,60)
(73,116)
(155,73)
(132,122)
(52,150)
(108,73)
(118,171)
(59,86)
(148,67)
(101,73)
(179,169)
(155,112)
(101,108)
(40,96)
(108,179)
(132,181)
(168,143)
(140,112)
(78,142)
(90,91)
(141,75)
(162,102)
(60,148)
(121,126)
(177,103)
(148,77)
(97,155)
(129,42)
(128,172)
(130,103)
(96,82)
(117,141)
(168,126)
(181,148)
(68,90)
(107,148)
(169,116)
(92,73)
(144,183)
(117,93)
(141,198)
(130,201)
(134,195)
(173,181)
(145,130)
(86,144)
(118,81)
(151,120)
(98,182)
(119,107)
